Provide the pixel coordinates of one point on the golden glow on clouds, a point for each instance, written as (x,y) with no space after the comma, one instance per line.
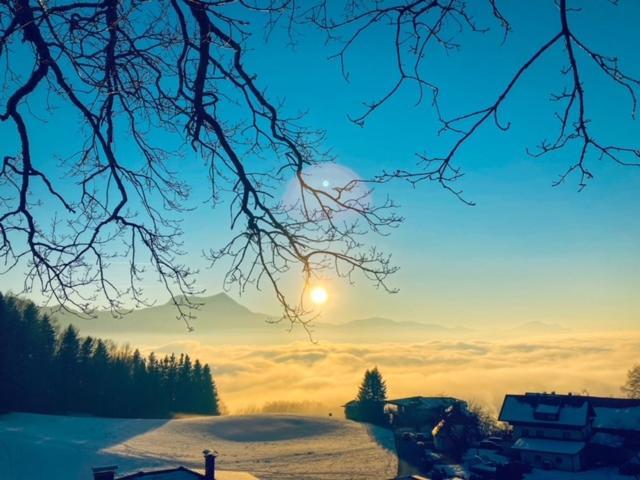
(481,370)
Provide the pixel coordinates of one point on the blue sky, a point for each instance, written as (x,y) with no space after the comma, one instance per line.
(527,250)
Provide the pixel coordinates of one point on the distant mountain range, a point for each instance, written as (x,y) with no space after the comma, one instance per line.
(537,328)
(221,316)
(213,314)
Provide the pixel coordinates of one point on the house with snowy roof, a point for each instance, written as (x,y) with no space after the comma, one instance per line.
(418,412)
(177,473)
(567,432)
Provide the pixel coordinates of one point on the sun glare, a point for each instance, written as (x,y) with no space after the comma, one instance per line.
(319,295)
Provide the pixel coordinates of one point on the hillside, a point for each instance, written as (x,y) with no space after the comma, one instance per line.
(267,446)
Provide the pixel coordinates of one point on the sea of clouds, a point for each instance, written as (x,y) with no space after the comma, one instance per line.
(321,377)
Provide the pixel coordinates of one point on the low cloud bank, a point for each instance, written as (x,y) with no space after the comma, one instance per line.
(249,377)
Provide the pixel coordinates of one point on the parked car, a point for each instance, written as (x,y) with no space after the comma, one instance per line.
(421,437)
(408,436)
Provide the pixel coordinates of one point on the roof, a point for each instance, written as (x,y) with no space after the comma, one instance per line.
(607,440)
(544,445)
(183,473)
(612,418)
(613,414)
(179,473)
(424,402)
(411,477)
(546,409)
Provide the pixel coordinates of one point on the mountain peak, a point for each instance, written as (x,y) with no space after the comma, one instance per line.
(219,298)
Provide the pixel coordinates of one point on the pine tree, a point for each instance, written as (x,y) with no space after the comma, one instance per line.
(44,354)
(99,378)
(68,371)
(208,393)
(43,371)
(139,384)
(184,389)
(373,387)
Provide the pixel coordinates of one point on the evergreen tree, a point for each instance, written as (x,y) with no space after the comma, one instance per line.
(184,390)
(373,387)
(139,385)
(208,393)
(85,366)
(43,371)
(99,377)
(68,368)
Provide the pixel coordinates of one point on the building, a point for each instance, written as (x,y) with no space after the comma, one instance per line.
(567,432)
(178,473)
(421,413)
(367,411)
(455,431)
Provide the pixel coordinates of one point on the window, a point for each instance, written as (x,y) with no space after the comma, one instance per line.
(538,458)
(566,434)
(525,432)
(558,460)
(539,433)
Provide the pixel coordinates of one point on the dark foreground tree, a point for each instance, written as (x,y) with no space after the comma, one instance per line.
(148,83)
(373,387)
(91,376)
(632,386)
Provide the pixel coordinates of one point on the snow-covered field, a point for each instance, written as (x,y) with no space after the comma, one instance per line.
(46,447)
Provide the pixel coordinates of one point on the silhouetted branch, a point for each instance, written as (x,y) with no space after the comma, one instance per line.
(129,70)
(417,27)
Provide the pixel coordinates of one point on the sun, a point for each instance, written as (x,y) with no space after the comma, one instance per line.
(319,295)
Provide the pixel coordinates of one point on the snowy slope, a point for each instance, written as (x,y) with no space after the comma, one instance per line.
(39,447)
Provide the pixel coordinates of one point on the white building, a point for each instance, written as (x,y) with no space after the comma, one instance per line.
(564,431)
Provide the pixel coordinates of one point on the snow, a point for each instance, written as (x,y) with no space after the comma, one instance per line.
(548,409)
(517,409)
(34,447)
(617,418)
(171,475)
(607,440)
(548,446)
(423,402)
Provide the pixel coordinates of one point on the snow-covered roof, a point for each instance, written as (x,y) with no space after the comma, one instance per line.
(612,414)
(546,409)
(611,418)
(607,440)
(544,445)
(424,402)
(180,473)
(527,409)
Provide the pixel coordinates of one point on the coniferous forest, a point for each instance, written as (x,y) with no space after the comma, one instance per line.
(46,371)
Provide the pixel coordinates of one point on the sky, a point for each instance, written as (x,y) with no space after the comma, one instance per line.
(526,251)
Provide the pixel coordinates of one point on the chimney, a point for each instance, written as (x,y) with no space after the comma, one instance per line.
(105,473)
(210,464)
